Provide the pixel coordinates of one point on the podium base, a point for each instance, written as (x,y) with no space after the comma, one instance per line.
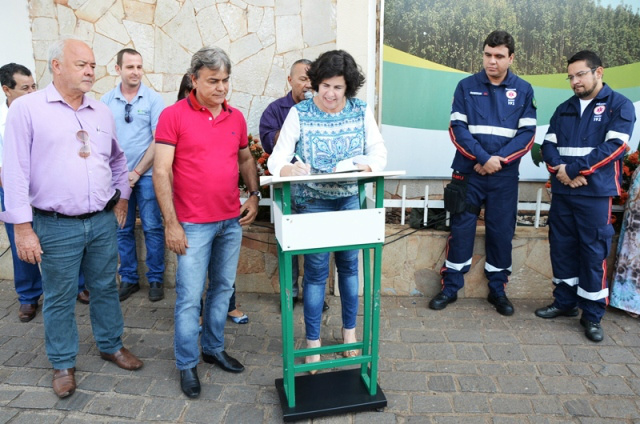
(329,393)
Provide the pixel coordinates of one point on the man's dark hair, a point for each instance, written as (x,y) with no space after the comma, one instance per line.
(500,38)
(591,59)
(121,54)
(336,63)
(9,70)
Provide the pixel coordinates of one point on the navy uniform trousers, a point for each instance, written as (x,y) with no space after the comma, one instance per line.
(500,198)
(580,234)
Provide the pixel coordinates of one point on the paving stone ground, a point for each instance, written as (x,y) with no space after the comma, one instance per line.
(465,364)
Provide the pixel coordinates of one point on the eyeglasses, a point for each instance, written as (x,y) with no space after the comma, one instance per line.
(580,74)
(127,113)
(83,137)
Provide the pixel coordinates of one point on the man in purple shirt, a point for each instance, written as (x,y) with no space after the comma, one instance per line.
(270,123)
(66,189)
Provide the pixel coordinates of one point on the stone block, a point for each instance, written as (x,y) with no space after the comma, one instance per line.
(165,11)
(181,29)
(267,29)
(105,49)
(66,20)
(288,33)
(112,27)
(44,29)
(277,82)
(42,8)
(168,55)
(251,73)
(234,19)
(91,11)
(146,43)
(138,11)
(254,18)
(244,47)
(287,7)
(318,22)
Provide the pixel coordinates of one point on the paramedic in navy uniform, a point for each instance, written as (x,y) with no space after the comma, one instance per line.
(587,138)
(493,124)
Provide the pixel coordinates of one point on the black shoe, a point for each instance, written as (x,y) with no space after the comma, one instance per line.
(189,382)
(156,292)
(325,307)
(224,361)
(502,304)
(127,290)
(442,300)
(553,312)
(592,330)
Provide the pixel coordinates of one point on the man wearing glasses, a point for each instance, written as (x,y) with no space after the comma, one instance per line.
(66,189)
(584,146)
(136,109)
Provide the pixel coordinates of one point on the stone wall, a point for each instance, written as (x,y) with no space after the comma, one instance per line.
(262,37)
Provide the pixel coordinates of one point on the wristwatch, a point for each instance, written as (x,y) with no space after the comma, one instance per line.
(257,194)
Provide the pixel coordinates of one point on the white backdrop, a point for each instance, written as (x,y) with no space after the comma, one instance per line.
(15,35)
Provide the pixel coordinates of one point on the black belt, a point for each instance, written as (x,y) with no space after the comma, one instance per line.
(60,215)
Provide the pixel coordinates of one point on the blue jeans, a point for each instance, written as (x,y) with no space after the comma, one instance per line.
(144,197)
(69,246)
(316,271)
(26,277)
(214,249)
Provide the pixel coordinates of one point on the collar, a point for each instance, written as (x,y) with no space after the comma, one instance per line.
(506,81)
(604,92)
(141,92)
(53,95)
(195,105)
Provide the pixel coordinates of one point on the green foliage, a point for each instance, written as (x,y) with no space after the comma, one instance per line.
(547,32)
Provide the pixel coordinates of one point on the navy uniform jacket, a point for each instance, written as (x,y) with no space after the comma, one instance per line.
(492,120)
(592,145)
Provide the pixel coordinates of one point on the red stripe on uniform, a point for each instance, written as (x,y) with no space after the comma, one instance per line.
(520,153)
(605,161)
(458,146)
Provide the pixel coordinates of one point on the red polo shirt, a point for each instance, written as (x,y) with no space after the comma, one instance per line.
(205,165)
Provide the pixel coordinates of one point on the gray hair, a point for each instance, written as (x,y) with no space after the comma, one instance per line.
(297,62)
(213,58)
(56,50)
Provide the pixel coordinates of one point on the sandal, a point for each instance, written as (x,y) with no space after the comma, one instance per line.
(349,336)
(312,358)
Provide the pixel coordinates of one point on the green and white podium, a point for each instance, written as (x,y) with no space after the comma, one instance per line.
(330,392)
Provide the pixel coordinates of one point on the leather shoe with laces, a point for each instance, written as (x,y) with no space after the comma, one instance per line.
(127,289)
(156,292)
(502,304)
(592,330)
(224,361)
(123,358)
(64,382)
(441,301)
(27,312)
(553,312)
(83,297)
(190,383)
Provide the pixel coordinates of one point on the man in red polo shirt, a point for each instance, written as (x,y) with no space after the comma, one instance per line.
(201,144)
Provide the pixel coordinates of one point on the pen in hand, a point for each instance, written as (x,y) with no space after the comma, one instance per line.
(300,166)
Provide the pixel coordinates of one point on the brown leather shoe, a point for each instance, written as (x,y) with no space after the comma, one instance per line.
(27,312)
(123,358)
(64,382)
(83,297)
